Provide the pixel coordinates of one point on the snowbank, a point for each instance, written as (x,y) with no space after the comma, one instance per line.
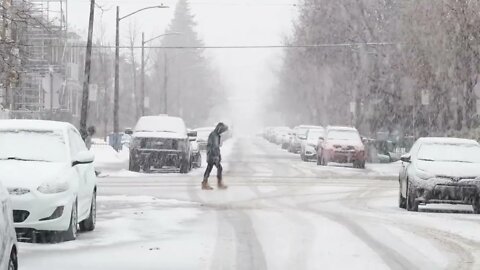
(107,159)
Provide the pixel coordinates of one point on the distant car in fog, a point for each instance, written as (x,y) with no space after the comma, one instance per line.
(440,170)
(281,133)
(286,139)
(202,136)
(161,141)
(309,145)
(299,135)
(8,238)
(341,145)
(195,155)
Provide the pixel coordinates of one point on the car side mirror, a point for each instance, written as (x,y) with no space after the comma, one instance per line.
(192,135)
(302,137)
(406,158)
(84,157)
(321,139)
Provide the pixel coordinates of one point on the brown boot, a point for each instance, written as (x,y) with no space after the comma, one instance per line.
(205,185)
(221,185)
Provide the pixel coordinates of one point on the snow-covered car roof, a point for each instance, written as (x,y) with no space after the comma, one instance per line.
(445,140)
(205,129)
(307,126)
(34,124)
(342,128)
(161,123)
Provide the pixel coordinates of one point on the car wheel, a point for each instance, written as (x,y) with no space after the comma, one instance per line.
(184,167)
(88,224)
(71,233)
(133,165)
(412,204)
(402,202)
(199,161)
(13,263)
(476,206)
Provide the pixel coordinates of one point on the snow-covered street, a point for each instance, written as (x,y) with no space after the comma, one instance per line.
(278,213)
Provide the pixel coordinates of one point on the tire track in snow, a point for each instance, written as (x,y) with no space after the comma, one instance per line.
(451,243)
(236,233)
(306,236)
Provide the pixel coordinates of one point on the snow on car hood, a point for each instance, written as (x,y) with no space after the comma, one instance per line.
(357,144)
(29,174)
(167,135)
(452,169)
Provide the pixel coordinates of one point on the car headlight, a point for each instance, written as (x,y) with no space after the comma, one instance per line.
(54,187)
(18,191)
(423,175)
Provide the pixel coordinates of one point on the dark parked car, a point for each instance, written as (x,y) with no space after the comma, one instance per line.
(440,170)
(161,141)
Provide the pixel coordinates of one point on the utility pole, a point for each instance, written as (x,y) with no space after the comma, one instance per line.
(142,83)
(165,82)
(116,97)
(51,93)
(86,82)
(117,74)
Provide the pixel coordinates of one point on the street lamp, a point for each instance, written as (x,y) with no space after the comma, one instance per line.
(142,87)
(117,65)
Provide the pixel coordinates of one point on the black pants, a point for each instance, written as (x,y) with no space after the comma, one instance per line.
(209,170)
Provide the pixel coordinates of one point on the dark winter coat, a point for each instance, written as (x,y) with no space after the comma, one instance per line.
(213,145)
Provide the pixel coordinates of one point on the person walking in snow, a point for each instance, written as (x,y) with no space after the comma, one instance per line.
(88,140)
(214,157)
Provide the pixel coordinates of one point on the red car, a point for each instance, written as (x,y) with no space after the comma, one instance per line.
(341,145)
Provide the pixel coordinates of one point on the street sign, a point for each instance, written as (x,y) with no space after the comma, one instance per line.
(146,102)
(93,90)
(425,97)
(352,107)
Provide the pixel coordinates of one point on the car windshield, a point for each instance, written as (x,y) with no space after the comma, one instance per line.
(464,153)
(161,124)
(314,134)
(301,131)
(343,135)
(203,134)
(33,145)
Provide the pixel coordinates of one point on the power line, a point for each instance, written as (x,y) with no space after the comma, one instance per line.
(325,45)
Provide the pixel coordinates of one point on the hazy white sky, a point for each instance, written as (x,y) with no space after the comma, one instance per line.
(247,73)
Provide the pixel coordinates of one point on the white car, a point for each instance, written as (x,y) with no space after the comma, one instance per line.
(440,170)
(308,149)
(49,174)
(8,239)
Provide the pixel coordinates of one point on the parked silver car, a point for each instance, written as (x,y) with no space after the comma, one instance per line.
(440,170)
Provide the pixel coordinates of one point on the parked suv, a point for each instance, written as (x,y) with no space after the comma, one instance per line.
(161,141)
(341,145)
